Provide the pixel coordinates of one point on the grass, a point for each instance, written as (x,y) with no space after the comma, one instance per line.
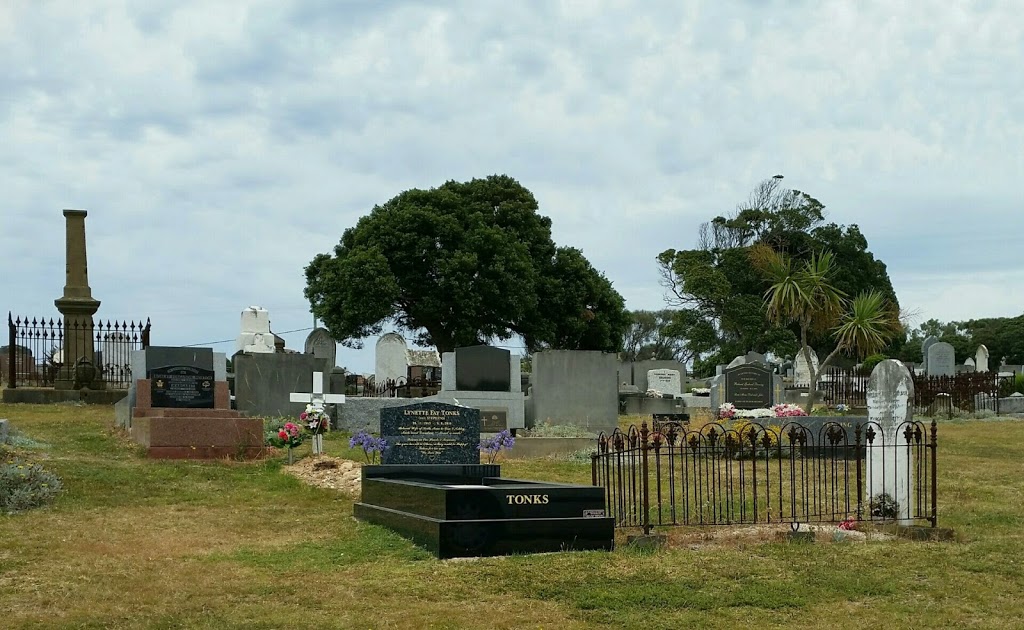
(141,543)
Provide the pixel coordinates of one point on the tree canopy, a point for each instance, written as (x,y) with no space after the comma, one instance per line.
(719,293)
(462,264)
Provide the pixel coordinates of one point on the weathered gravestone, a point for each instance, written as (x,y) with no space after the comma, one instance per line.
(748,386)
(180,377)
(890,398)
(981,359)
(925,345)
(430,433)
(255,333)
(801,370)
(941,359)
(667,382)
(321,345)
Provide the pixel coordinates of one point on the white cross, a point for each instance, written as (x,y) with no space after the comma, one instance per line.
(317,398)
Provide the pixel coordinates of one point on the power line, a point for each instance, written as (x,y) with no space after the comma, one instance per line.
(213,343)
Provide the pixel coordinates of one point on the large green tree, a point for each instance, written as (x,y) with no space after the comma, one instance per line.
(462,264)
(719,294)
(653,335)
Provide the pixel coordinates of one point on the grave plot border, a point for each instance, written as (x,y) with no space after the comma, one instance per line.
(673,476)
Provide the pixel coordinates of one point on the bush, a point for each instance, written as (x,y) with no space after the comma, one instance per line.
(1018,383)
(25,485)
(869,363)
(884,506)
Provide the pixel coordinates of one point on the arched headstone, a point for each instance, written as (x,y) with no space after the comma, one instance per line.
(890,410)
(981,359)
(320,344)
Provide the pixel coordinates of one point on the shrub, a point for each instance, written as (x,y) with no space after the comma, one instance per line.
(884,506)
(1018,383)
(870,362)
(25,485)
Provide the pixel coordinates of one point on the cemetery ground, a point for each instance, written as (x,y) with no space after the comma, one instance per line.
(138,542)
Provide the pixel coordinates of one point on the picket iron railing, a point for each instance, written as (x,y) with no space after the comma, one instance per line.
(38,348)
(753,474)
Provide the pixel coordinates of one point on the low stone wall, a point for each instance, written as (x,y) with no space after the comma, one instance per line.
(363,414)
(1011,404)
(41,396)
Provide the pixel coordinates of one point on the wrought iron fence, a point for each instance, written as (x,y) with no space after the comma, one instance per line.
(39,348)
(968,391)
(397,388)
(755,474)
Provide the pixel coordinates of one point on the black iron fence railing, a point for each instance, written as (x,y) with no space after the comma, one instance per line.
(38,348)
(969,391)
(755,474)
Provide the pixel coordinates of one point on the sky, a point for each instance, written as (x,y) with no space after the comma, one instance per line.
(219,146)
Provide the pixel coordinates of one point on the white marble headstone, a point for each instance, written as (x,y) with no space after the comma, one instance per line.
(890,399)
(665,381)
(255,336)
(391,362)
(981,359)
(801,372)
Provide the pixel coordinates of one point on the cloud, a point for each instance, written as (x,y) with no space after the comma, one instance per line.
(219,146)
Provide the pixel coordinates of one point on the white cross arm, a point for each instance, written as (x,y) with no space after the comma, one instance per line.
(308,398)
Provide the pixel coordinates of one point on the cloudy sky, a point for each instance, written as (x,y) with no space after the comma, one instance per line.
(218,146)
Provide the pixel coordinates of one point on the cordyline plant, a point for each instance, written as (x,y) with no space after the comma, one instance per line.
(805,295)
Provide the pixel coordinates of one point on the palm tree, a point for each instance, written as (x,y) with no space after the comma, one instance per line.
(806,296)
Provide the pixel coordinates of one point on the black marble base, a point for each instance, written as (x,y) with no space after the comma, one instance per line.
(457,511)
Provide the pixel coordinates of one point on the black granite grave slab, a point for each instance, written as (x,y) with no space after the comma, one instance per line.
(482,369)
(749,386)
(457,511)
(431,433)
(180,377)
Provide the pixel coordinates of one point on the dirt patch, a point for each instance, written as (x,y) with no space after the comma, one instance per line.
(324,471)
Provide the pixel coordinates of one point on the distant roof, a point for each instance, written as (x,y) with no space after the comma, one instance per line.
(423,358)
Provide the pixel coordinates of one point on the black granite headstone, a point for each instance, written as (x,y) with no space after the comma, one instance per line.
(482,369)
(430,433)
(493,420)
(749,386)
(180,377)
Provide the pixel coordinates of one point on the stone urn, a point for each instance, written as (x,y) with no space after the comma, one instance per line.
(85,373)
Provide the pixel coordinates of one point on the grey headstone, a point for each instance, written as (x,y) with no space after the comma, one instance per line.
(482,369)
(4,430)
(430,433)
(890,399)
(927,343)
(321,345)
(941,359)
(265,381)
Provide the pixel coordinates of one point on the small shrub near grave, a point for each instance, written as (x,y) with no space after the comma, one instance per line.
(884,506)
(25,485)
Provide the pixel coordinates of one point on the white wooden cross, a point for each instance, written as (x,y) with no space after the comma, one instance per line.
(317,398)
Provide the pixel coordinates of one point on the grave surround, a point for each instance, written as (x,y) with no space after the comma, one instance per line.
(445,500)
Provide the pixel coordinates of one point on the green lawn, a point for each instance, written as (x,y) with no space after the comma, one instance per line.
(139,543)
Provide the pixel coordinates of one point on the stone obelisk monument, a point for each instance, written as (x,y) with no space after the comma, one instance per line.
(77,307)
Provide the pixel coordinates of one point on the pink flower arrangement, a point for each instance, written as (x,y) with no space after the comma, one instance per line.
(788,411)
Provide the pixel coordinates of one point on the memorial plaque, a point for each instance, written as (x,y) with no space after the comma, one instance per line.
(748,386)
(181,386)
(430,433)
(482,369)
(493,420)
